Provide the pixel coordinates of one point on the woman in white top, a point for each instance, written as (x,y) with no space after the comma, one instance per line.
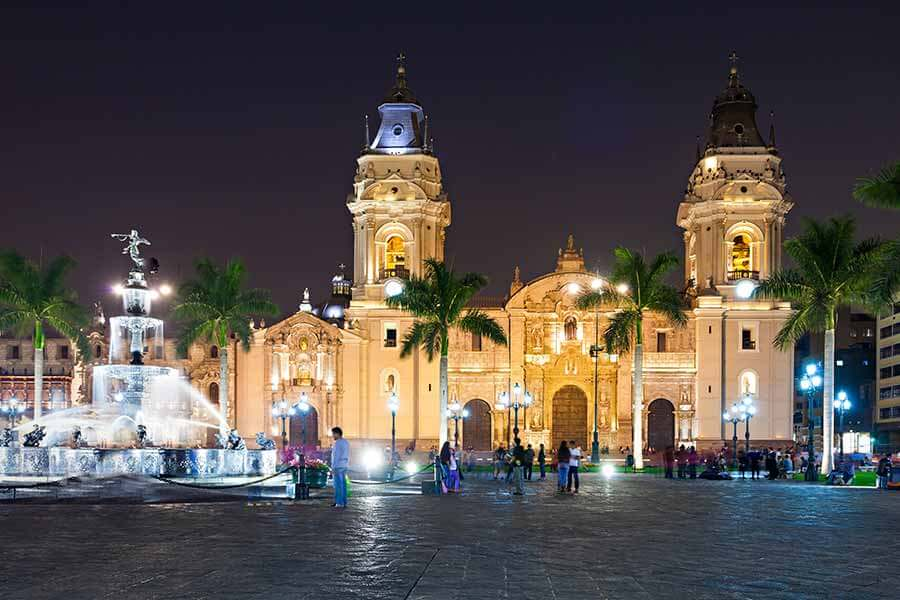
(574,463)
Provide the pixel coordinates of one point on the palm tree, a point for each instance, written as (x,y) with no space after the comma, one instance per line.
(213,307)
(640,288)
(33,297)
(438,301)
(832,271)
(881,190)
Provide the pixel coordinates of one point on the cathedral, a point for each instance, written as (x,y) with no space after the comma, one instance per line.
(345,355)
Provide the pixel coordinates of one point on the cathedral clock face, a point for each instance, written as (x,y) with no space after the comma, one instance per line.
(397,129)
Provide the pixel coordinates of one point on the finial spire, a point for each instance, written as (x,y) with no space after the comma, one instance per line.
(368,138)
(772,129)
(401,70)
(733,73)
(698,148)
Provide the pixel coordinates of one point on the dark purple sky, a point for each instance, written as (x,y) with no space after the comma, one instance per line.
(231,128)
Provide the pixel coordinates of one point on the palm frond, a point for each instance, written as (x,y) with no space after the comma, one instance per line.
(881,190)
(789,285)
(619,331)
(592,300)
(477,322)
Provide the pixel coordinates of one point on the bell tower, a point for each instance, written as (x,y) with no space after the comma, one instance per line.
(399,208)
(734,208)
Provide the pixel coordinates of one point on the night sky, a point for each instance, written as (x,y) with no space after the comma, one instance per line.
(228,129)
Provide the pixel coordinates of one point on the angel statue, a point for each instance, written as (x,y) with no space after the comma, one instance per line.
(132,249)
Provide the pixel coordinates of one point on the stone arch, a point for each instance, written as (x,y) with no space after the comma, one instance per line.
(312,429)
(570,415)
(748,383)
(476,429)
(660,424)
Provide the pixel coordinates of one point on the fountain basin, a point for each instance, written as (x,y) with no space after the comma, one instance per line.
(196,463)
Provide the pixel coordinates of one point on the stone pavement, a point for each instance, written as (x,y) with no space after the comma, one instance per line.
(628,537)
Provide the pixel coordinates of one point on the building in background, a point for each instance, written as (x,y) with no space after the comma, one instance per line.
(887,414)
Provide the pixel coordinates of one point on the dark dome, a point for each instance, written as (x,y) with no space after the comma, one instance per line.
(733,118)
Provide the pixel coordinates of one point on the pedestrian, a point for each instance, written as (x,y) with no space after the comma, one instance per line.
(542,461)
(693,461)
(340,462)
(743,463)
(574,463)
(669,460)
(681,457)
(453,469)
(499,453)
(629,459)
(445,463)
(470,459)
(771,465)
(529,461)
(517,464)
(509,463)
(883,472)
(562,465)
(754,464)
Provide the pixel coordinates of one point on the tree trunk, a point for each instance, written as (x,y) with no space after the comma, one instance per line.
(828,405)
(223,385)
(443,408)
(637,418)
(38,370)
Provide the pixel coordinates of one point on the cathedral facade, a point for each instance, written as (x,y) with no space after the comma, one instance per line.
(345,356)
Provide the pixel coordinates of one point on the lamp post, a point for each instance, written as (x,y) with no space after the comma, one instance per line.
(503,404)
(456,412)
(526,402)
(809,383)
(13,409)
(734,416)
(747,411)
(842,405)
(596,285)
(280,410)
(393,406)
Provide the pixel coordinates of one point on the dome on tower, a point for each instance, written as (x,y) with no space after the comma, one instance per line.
(733,117)
(404,127)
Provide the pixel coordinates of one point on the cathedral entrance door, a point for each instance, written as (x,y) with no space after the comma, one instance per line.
(570,416)
(476,430)
(312,429)
(660,424)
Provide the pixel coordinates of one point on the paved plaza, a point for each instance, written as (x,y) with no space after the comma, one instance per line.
(631,536)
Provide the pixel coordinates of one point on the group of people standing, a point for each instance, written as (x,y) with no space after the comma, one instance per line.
(568,460)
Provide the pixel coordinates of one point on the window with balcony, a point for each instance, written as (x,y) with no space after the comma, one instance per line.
(476,342)
(897,391)
(390,336)
(885,372)
(395,258)
(571,329)
(886,331)
(885,393)
(885,413)
(895,412)
(660,341)
(64,353)
(887,352)
(748,337)
(740,264)
(896,370)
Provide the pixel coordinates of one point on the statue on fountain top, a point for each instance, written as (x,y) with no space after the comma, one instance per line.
(33,438)
(142,439)
(263,442)
(235,441)
(132,249)
(77,438)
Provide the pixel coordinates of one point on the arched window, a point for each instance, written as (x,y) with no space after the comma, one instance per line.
(571,328)
(98,351)
(740,255)
(213,392)
(395,255)
(214,352)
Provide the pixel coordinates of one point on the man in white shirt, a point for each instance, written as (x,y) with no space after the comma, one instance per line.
(574,463)
(340,462)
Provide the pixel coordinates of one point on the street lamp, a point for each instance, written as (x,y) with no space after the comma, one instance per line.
(13,409)
(734,416)
(503,404)
(842,405)
(393,406)
(596,285)
(280,411)
(747,411)
(809,383)
(456,412)
(517,391)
